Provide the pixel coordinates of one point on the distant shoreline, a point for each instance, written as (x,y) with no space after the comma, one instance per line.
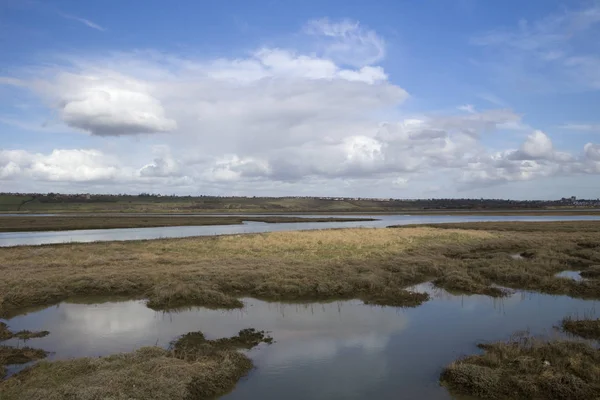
(225,213)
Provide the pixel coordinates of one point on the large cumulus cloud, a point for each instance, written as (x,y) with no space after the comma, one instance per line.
(273,117)
(106,103)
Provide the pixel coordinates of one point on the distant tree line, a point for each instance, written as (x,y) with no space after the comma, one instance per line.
(308,202)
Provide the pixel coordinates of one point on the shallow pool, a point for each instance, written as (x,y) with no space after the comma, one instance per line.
(338,350)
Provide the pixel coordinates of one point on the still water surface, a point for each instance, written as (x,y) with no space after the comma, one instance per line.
(339,350)
(92,235)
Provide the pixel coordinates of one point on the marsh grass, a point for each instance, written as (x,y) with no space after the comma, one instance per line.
(519,226)
(375,265)
(18,355)
(6,334)
(315,265)
(585,328)
(194,344)
(592,272)
(396,298)
(27,335)
(527,368)
(193,368)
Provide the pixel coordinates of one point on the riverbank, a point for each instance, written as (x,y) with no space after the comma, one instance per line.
(63,223)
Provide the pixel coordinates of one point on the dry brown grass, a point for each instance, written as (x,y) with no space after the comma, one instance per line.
(528,368)
(192,369)
(216,270)
(61,223)
(519,226)
(370,264)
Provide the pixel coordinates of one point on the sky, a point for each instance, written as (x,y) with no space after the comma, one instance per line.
(387,98)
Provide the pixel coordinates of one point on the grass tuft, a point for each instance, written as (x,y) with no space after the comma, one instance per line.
(194,368)
(174,295)
(6,334)
(396,298)
(194,344)
(586,328)
(14,355)
(527,368)
(593,272)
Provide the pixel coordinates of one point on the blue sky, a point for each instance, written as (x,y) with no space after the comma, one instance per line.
(436,98)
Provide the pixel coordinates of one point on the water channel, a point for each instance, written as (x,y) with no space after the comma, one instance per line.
(93,235)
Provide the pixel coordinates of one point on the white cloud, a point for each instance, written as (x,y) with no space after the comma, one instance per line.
(77,165)
(108,104)
(476,123)
(582,127)
(9,170)
(233,168)
(467,108)
(537,146)
(544,34)
(163,166)
(536,158)
(7,80)
(592,151)
(409,146)
(549,54)
(84,21)
(347,42)
(272,90)
(400,183)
